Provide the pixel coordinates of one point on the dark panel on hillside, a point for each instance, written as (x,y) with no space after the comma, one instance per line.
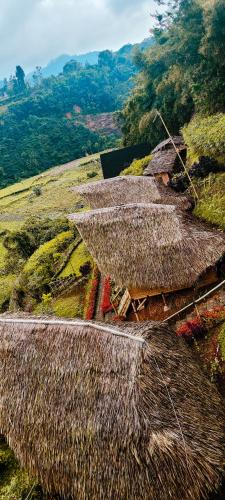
(114,162)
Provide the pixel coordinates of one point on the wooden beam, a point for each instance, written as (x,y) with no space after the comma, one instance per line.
(135,311)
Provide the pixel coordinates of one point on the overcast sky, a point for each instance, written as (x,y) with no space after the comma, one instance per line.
(35,31)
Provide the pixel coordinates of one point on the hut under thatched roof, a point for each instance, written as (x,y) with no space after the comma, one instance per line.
(167,144)
(149,246)
(96,411)
(165,159)
(162,162)
(129,189)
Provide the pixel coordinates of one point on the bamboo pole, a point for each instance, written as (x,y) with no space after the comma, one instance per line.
(178,154)
(198,301)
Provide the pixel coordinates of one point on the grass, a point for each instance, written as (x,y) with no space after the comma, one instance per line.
(222,341)
(6,286)
(211,205)
(137,167)
(3,253)
(78,258)
(70,306)
(14,482)
(18,202)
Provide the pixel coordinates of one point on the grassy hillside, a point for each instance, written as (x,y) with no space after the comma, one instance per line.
(48,195)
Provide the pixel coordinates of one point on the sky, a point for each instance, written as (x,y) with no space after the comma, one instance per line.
(35,31)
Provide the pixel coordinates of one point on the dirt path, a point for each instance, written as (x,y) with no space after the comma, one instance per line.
(99,315)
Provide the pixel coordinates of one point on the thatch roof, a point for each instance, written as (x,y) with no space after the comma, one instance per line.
(101,412)
(129,189)
(149,246)
(162,162)
(167,144)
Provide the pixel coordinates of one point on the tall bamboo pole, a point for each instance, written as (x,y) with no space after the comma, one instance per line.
(178,153)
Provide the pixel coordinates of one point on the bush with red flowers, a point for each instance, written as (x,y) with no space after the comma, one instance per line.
(192,329)
(214,316)
(90,311)
(106,305)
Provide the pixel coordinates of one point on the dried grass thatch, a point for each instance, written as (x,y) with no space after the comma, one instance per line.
(149,246)
(129,189)
(167,144)
(162,162)
(98,412)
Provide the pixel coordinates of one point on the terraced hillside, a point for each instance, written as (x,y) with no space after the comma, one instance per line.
(48,195)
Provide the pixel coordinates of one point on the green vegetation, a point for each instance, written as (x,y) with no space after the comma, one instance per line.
(42,125)
(28,221)
(205,136)
(78,258)
(69,306)
(211,204)
(137,167)
(222,341)
(42,265)
(183,73)
(14,482)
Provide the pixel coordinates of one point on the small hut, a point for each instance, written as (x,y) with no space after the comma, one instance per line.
(167,144)
(165,159)
(95,411)
(152,250)
(130,189)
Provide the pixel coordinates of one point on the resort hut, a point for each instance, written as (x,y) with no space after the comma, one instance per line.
(167,144)
(152,250)
(165,161)
(95,411)
(128,189)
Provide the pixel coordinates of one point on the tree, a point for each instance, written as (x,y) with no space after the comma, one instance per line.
(105,58)
(37,75)
(182,73)
(20,77)
(71,67)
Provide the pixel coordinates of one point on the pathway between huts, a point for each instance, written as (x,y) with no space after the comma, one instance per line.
(98,312)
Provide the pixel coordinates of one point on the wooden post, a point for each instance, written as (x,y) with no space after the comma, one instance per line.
(135,311)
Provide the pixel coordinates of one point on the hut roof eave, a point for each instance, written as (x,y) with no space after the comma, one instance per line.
(149,246)
(87,403)
(129,189)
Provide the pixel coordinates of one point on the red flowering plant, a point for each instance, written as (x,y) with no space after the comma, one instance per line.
(106,305)
(213,316)
(90,311)
(192,329)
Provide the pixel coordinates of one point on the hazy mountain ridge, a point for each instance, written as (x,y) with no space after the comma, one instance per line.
(56,65)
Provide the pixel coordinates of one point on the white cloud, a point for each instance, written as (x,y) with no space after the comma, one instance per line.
(34,31)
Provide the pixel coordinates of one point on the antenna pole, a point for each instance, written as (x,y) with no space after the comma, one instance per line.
(178,154)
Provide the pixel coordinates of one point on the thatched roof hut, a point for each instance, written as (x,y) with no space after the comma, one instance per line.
(148,246)
(109,412)
(129,189)
(165,159)
(167,144)
(162,162)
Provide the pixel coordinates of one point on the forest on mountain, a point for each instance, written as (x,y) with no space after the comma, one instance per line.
(40,125)
(182,75)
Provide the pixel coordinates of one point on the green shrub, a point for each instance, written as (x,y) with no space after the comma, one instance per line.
(222,341)
(90,175)
(137,167)
(205,136)
(15,483)
(70,306)
(79,258)
(41,267)
(211,203)
(37,190)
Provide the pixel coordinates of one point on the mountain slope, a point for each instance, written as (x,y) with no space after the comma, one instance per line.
(55,67)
